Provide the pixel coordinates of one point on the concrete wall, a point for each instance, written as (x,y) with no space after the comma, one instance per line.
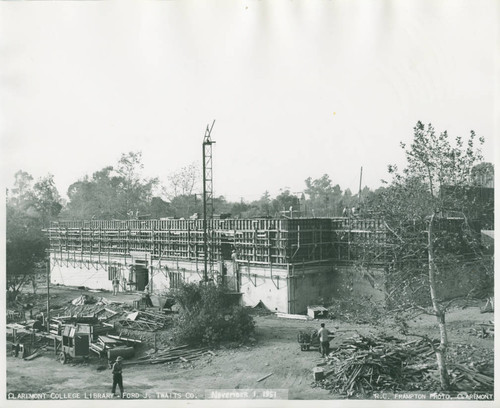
(279,289)
(94,276)
(257,284)
(357,282)
(319,284)
(310,285)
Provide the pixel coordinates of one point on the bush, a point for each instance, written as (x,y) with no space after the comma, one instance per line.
(209,316)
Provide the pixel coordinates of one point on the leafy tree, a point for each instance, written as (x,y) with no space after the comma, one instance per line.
(134,192)
(424,243)
(185,206)
(265,204)
(239,209)
(20,193)
(159,208)
(284,201)
(45,199)
(94,197)
(323,196)
(111,193)
(29,209)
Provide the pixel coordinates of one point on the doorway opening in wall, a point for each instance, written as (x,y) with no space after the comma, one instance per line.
(141,274)
(226,247)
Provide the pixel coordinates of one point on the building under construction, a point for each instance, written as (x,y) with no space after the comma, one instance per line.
(287,264)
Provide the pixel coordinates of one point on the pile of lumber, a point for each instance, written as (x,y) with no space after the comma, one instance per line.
(145,321)
(172,354)
(472,378)
(104,343)
(97,311)
(363,365)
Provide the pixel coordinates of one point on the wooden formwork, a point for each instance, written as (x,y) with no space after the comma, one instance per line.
(259,241)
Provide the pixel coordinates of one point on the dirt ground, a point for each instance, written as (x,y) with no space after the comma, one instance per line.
(273,349)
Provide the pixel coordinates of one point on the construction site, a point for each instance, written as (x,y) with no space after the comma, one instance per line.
(285,263)
(110,296)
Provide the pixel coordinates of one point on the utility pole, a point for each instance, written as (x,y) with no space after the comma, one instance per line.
(48,292)
(208,204)
(360,178)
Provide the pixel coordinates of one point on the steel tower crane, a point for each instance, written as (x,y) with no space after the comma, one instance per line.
(208,200)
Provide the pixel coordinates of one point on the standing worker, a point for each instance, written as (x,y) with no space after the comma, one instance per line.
(116,285)
(324,340)
(117,376)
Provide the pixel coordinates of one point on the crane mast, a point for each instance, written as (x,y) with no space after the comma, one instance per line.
(208,201)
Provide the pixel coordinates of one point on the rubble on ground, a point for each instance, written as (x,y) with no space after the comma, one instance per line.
(145,320)
(363,365)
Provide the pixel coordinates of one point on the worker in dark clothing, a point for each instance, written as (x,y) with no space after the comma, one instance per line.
(324,340)
(116,285)
(117,375)
(147,300)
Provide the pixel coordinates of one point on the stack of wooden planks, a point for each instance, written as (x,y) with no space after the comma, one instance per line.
(108,342)
(172,354)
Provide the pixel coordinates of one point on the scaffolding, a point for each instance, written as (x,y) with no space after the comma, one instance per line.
(277,242)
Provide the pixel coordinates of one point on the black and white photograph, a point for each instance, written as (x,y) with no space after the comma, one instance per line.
(251,201)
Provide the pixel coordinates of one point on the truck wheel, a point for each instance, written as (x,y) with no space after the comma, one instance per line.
(62,358)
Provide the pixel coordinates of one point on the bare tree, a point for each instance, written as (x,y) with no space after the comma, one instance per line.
(425,210)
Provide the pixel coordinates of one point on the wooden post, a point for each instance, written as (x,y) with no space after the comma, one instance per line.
(48,293)
(151,273)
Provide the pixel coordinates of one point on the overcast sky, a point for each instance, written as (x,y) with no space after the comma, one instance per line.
(297,88)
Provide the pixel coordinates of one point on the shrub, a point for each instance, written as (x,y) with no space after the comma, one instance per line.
(208,315)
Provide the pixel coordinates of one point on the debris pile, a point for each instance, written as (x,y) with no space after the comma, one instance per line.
(471,367)
(363,365)
(473,377)
(145,320)
(366,364)
(101,313)
(483,330)
(172,354)
(83,300)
